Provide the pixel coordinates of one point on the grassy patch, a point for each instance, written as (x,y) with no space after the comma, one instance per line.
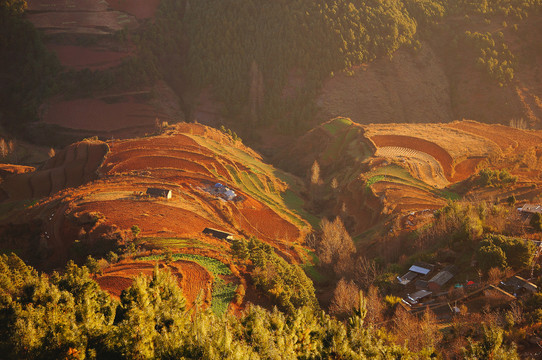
(176,243)
(336,125)
(223,294)
(374,179)
(448,194)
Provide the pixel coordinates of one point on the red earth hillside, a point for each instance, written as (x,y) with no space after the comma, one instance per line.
(92,194)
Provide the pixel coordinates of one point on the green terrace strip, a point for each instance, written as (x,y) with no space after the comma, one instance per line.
(177,243)
(222,293)
(395,173)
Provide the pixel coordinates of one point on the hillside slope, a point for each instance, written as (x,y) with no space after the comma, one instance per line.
(373,173)
(90,197)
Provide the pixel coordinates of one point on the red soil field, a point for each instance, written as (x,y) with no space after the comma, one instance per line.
(422,145)
(93,58)
(137,159)
(270,224)
(141,9)
(97,115)
(195,278)
(114,284)
(177,141)
(465,169)
(192,278)
(151,217)
(150,162)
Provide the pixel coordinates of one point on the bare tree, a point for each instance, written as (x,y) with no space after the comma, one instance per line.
(417,333)
(335,247)
(375,306)
(315,173)
(365,272)
(345,299)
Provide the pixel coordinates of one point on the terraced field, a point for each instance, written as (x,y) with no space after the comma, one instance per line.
(384,170)
(93,193)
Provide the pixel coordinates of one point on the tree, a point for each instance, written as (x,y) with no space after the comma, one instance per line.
(345,299)
(490,256)
(92,265)
(135,231)
(335,248)
(490,347)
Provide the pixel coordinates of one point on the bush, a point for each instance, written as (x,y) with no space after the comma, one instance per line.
(496,178)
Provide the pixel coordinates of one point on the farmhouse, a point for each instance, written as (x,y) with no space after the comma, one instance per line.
(155,192)
(219,234)
(519,285)
(437,281)
(223,191)
(414,271)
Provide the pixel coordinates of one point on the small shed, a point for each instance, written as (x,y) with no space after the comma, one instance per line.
(417,297)
(219,234)
(156,192)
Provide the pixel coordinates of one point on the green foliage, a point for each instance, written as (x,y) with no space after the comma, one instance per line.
(68,316)
(492,55)
(135,230)
(518,253)
(92,265)
(496,178)
(490,347)
(233,44)
(536,221)
(46,319)
(285,283)
(490,256)
(13,7)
